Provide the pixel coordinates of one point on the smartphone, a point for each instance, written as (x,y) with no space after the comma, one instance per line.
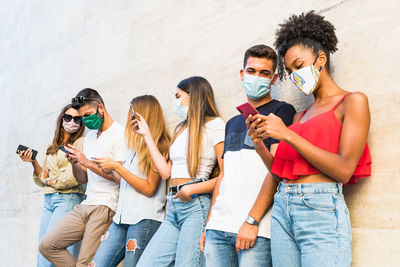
(247,109)
(22,148)
(134,115)
(133,112)
(62,148)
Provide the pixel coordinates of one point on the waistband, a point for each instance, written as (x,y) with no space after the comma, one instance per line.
(175,189)
(310,188)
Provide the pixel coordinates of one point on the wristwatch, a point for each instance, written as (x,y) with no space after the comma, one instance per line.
(46,181)
(251,220)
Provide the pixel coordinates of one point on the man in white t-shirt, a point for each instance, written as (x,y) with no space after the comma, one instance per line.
(91,219)
(244,173)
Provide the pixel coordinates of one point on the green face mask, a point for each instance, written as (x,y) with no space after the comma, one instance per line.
(93,122)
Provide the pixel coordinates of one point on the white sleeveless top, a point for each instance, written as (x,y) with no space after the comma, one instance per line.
(213,133)
(134,206)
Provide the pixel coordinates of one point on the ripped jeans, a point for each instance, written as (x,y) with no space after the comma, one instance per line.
(124,241)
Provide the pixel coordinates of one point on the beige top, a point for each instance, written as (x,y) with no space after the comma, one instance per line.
(60,171)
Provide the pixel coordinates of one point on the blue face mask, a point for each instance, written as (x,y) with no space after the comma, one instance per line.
(255,86)
(180,111)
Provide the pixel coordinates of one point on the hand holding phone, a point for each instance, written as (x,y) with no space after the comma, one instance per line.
(134,115)
(21,150)
(247,109)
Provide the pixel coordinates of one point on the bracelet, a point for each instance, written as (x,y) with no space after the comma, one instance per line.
(46,181)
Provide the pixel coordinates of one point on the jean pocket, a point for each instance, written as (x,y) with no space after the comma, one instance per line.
(320,202)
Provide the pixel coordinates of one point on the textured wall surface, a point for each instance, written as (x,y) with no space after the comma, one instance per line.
(49,50)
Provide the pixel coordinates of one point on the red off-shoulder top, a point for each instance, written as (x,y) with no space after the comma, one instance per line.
(322,131)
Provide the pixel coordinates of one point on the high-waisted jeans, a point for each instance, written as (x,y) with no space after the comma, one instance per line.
(310,226)
(176,242)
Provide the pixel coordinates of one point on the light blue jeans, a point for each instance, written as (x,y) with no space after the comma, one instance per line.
(55,207)
(125,241)
(310,226)
(176,243)
(220,251)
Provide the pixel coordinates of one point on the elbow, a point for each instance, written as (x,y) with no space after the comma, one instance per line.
(149,192)
(345,175)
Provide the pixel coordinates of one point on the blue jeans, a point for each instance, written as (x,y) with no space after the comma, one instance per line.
(176,243)
(55,207)
(310,226)
(125,241)
(220,251)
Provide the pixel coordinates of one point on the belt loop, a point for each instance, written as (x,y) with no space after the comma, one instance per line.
(299,189)
(340,188)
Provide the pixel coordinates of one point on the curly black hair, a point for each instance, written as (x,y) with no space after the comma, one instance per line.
(308,29)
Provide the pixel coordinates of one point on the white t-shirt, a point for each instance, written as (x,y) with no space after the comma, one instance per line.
(213,133)
(134,206)
(110,144)
(238,192)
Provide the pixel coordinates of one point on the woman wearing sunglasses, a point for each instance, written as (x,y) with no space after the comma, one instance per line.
(61,191)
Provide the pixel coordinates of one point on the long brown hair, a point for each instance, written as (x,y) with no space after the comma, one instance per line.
(150,109)
(202,108)
(59,133)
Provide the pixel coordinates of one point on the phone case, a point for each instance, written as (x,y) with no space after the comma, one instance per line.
(23,148)
(247,109)
(62,149)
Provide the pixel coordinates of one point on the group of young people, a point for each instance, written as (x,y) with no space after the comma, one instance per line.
(223,178)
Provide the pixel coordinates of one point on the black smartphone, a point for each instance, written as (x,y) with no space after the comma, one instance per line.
(62,148)
(134,115)
(22,148)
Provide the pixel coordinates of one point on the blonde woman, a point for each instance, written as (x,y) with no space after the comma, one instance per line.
(61,190)
(195,150)
(142,193)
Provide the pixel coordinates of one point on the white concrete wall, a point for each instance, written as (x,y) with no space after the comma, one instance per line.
(49,50)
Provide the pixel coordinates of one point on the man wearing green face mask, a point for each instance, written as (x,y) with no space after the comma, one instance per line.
(90,220)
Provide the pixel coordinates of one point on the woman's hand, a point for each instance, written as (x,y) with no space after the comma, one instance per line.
(273,127)
(185,194)
(26,155)
(44,176)
(139,125)
(202,241)
(252,123)
(106,164)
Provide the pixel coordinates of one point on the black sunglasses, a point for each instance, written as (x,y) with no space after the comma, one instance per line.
(81,99)
(68,118)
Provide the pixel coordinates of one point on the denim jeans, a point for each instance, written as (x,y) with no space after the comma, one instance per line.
(220,251)
(176,243)
(310,226)
(55,207)
(125,241)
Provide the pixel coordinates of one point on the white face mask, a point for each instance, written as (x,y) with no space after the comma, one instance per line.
(70,127)
(180,111)
(306,78)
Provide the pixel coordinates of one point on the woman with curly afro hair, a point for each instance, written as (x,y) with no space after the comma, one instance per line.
(324,148)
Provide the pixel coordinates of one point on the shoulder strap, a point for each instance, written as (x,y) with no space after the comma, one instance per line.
(340,101)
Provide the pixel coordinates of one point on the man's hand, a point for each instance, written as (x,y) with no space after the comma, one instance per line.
(76,155)
(246,237)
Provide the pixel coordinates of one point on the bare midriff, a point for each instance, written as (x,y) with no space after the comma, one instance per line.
(313,178)
(179,181)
